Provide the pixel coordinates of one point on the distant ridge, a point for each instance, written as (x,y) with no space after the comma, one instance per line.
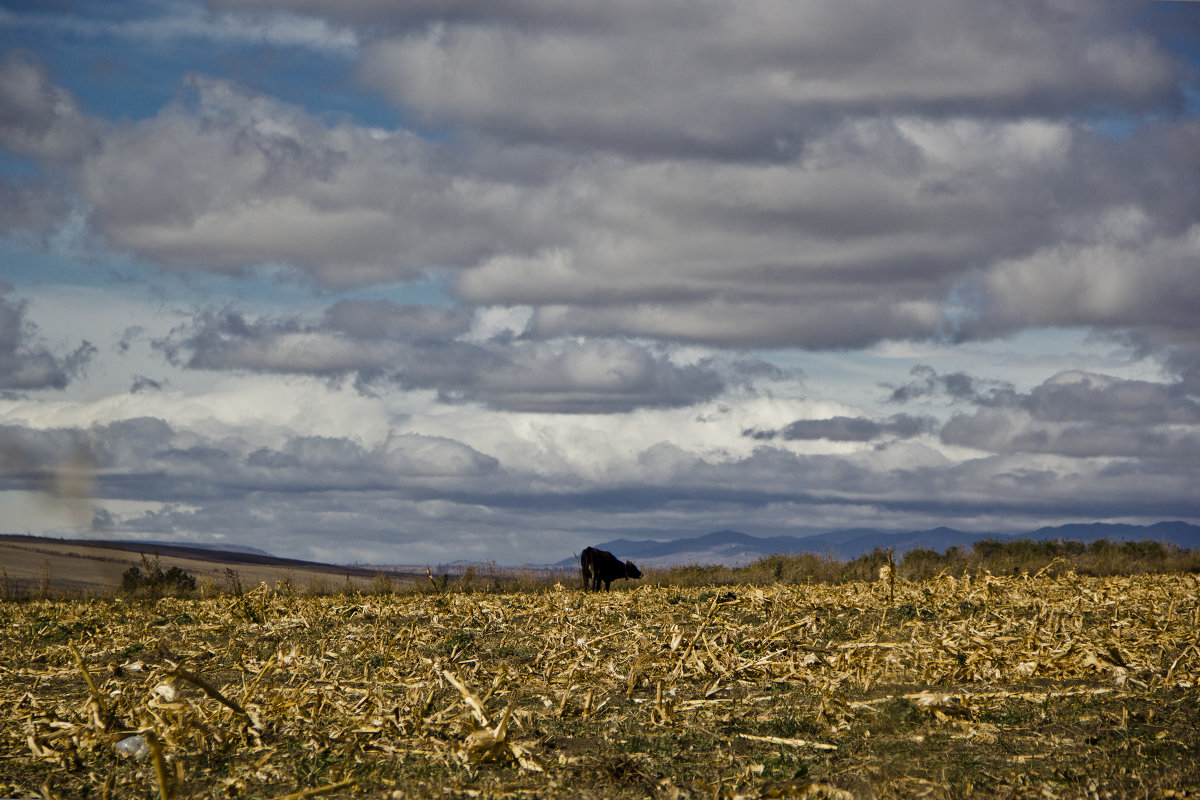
(33,563)
(223,548)
(732,548)
(233,554)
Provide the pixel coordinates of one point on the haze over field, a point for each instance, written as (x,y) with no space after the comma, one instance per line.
(424,282)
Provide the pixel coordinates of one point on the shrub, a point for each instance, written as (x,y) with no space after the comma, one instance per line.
(155,582)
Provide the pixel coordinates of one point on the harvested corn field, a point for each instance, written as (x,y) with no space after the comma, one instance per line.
(1031,686)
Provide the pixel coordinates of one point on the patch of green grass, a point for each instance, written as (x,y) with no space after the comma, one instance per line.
(908,611)
(786,765)
(784,720)
(55,632)
(458,641)
(515,653)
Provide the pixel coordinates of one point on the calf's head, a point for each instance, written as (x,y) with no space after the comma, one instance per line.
(631,570)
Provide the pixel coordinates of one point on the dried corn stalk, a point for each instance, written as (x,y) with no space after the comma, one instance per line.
(524,694)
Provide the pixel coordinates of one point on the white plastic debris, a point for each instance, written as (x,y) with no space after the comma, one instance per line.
(135,746)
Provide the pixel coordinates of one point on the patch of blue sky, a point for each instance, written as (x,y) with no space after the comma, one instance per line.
(433,288)
(28,263)
(323,87)
(1116,127)
(1191,96)
(1174,24)
(128,65)
(16,168)
(865,378)
(1123,125)
(132,85)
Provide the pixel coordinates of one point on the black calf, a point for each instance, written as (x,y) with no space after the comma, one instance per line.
(601,566)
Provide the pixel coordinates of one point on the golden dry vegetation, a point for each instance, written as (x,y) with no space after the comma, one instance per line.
(1047,686)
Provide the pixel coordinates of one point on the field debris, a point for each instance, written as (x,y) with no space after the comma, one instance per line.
(789,742)
(997,686)
(135,746)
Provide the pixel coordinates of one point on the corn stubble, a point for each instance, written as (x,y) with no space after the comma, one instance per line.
(1052,686)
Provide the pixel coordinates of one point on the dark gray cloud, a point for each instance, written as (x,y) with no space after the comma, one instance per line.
(599,376)
(380,319)
(24,363)
(143,384)
(955,386)
(40,120)
(1000,431)
(149,460)
(226,340)
(850,429)
(414,347)
(766,185)
(222,180)
(1178,352)
(1085,415)
(752,80)
(31,206)
(1082,396)
(1069,396)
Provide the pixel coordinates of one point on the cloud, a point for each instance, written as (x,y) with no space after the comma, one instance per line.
(164,24)
(223,180)
(380,319)
(303,461)
(1085,415)
(482,474)
(417,347)
(1074,413)
(738,80)
(855,322)
(1082,396)
(598,376)
(880,223)
(143,384)
(148,459)
(39,120)
(26,365)
(851,429)
(30,205)
(226,340)
(956,386)
(1124,271)
(44,126)
(999,431)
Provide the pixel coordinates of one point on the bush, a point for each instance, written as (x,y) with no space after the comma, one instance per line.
(1000,557)
(155,582)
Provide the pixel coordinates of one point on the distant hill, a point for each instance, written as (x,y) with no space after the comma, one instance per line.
(220,548)
(32,563)
(733,547)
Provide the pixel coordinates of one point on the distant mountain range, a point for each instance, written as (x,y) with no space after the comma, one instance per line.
(733,547)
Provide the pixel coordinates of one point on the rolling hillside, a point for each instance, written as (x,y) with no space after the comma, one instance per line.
(34,565)
(733,547)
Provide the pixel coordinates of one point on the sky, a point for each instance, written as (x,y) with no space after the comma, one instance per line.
(411,283)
